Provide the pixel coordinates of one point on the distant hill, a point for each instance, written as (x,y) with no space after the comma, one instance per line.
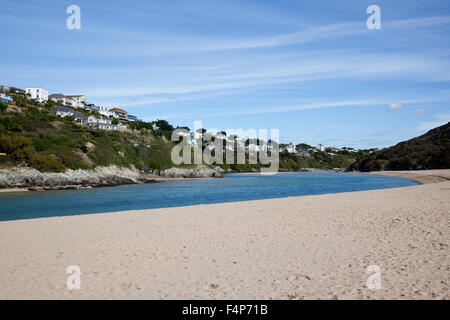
(429,151)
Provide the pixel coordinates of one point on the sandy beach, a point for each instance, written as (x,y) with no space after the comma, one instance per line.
(310,247)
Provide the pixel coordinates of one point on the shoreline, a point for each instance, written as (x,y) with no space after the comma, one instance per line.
(77,187)
(420,176)
(24,179)
(306,247)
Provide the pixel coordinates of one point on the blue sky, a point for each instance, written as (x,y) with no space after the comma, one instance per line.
(309,68)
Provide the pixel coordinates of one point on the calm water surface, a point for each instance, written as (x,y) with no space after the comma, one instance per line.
(234,187)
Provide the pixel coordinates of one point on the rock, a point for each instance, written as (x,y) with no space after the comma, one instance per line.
(200,171)
(89,146)
(83,157)
(33,179)
(58,124)
(100,176)
(219,169)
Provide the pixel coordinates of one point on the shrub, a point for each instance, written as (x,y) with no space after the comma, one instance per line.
(11,124)
(3,106)
(11,144)
(47,163)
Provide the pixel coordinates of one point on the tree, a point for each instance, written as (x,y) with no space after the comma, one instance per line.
(163,125)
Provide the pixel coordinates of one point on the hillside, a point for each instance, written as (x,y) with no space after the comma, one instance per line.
(429,151)
(32,136)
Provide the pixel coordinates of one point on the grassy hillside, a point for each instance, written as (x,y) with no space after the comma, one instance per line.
(31,135)
(37,138)
(429,151)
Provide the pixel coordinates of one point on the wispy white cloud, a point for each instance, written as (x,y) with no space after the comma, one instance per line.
(307,105)
(261,73)
(394,106)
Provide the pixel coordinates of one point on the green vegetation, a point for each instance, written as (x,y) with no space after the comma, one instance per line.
(39,139)
(429,151)
(35,137)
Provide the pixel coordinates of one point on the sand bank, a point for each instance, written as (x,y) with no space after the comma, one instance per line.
(422,176)
(290,248)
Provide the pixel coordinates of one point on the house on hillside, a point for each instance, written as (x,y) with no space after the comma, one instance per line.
(303,152)
(4,88)
(79,100)
(119,114)
(5,98)
(38,94)
(100,122)
(288,147)
(60,98)
(132,118)
(63,112)
(90,107)
(104,111)
(80,118)
(320,147)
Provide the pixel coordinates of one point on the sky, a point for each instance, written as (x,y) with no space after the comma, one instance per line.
(312,69)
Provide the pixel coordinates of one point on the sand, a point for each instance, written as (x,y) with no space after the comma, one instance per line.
(422,176)
(290,248)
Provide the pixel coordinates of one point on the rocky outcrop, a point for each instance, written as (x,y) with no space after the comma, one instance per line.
(219,169)
(101,176)
(33,179)
(197,172)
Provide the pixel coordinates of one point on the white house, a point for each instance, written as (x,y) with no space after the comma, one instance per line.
(38,94)
(60,98)
(120,114)
(100,122)
(289,148)
(104,111)
(320,147)
(80,101)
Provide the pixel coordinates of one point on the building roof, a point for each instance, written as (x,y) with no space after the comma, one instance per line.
(63,109)
(57,95)
(78,114)
(118,110)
